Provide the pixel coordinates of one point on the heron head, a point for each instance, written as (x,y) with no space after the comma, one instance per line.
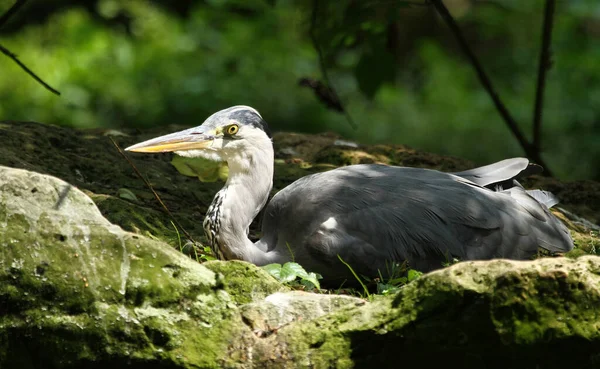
(223,134)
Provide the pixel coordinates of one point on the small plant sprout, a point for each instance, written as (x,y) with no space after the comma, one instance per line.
(292,274)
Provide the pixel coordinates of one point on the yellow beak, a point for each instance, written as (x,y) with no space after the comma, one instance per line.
(189,139)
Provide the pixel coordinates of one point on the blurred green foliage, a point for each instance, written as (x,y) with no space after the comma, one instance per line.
(394,64)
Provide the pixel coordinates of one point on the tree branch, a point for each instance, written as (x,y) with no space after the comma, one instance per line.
(3,19)
(12,10)
(8,53)
(529,149)
(544,66)
(325,75)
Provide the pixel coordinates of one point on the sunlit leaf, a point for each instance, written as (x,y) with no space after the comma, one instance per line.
(297,269)
(413,274)
(314,279)
(274,270)
(290,271)
(206,170)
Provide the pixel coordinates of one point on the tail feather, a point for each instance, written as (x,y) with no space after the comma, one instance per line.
(543,197)
(500,173)
(551,233)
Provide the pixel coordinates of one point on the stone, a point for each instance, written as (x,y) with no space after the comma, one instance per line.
(279,309)
(245,282)
(76,289)
(480,314)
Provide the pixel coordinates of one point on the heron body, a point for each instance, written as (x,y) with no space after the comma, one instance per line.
(369,215)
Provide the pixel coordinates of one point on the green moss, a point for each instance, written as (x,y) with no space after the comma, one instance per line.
(41,273)
(586,241)
(538,308)
(479,317)
(155,278)
(79,292)
(339,156)
(575,253)
(245,282)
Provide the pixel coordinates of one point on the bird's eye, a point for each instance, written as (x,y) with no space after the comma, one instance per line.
(232,129)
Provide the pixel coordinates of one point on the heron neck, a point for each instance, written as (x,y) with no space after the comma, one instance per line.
(245,193)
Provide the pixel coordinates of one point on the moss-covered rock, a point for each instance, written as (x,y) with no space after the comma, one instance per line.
(78,291)
(244,281)
(493,314)
(266,316)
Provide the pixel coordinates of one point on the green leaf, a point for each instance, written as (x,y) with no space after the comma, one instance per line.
(397,281)
(206,170)
(386,288)
(290,271)
(208,254)
(126,194)
(314,279)
(373,69)
(297,268)
(274,270)
(413,274)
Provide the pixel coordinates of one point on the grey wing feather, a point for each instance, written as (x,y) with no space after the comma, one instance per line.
(373,214)
(543,197)
(499,172)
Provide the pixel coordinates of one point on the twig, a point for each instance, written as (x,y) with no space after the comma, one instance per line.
(529,149)
(153,192)
(313,37)
(8,53)
(3,19)
(11,11)
(543,67)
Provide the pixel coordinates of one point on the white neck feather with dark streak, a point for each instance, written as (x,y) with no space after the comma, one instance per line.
(237,204)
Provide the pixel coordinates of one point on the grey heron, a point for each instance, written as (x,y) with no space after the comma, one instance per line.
(368,214)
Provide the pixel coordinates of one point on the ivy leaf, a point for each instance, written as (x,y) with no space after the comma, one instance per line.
(274,270)
(290,271)
(297,268)
(314,279)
